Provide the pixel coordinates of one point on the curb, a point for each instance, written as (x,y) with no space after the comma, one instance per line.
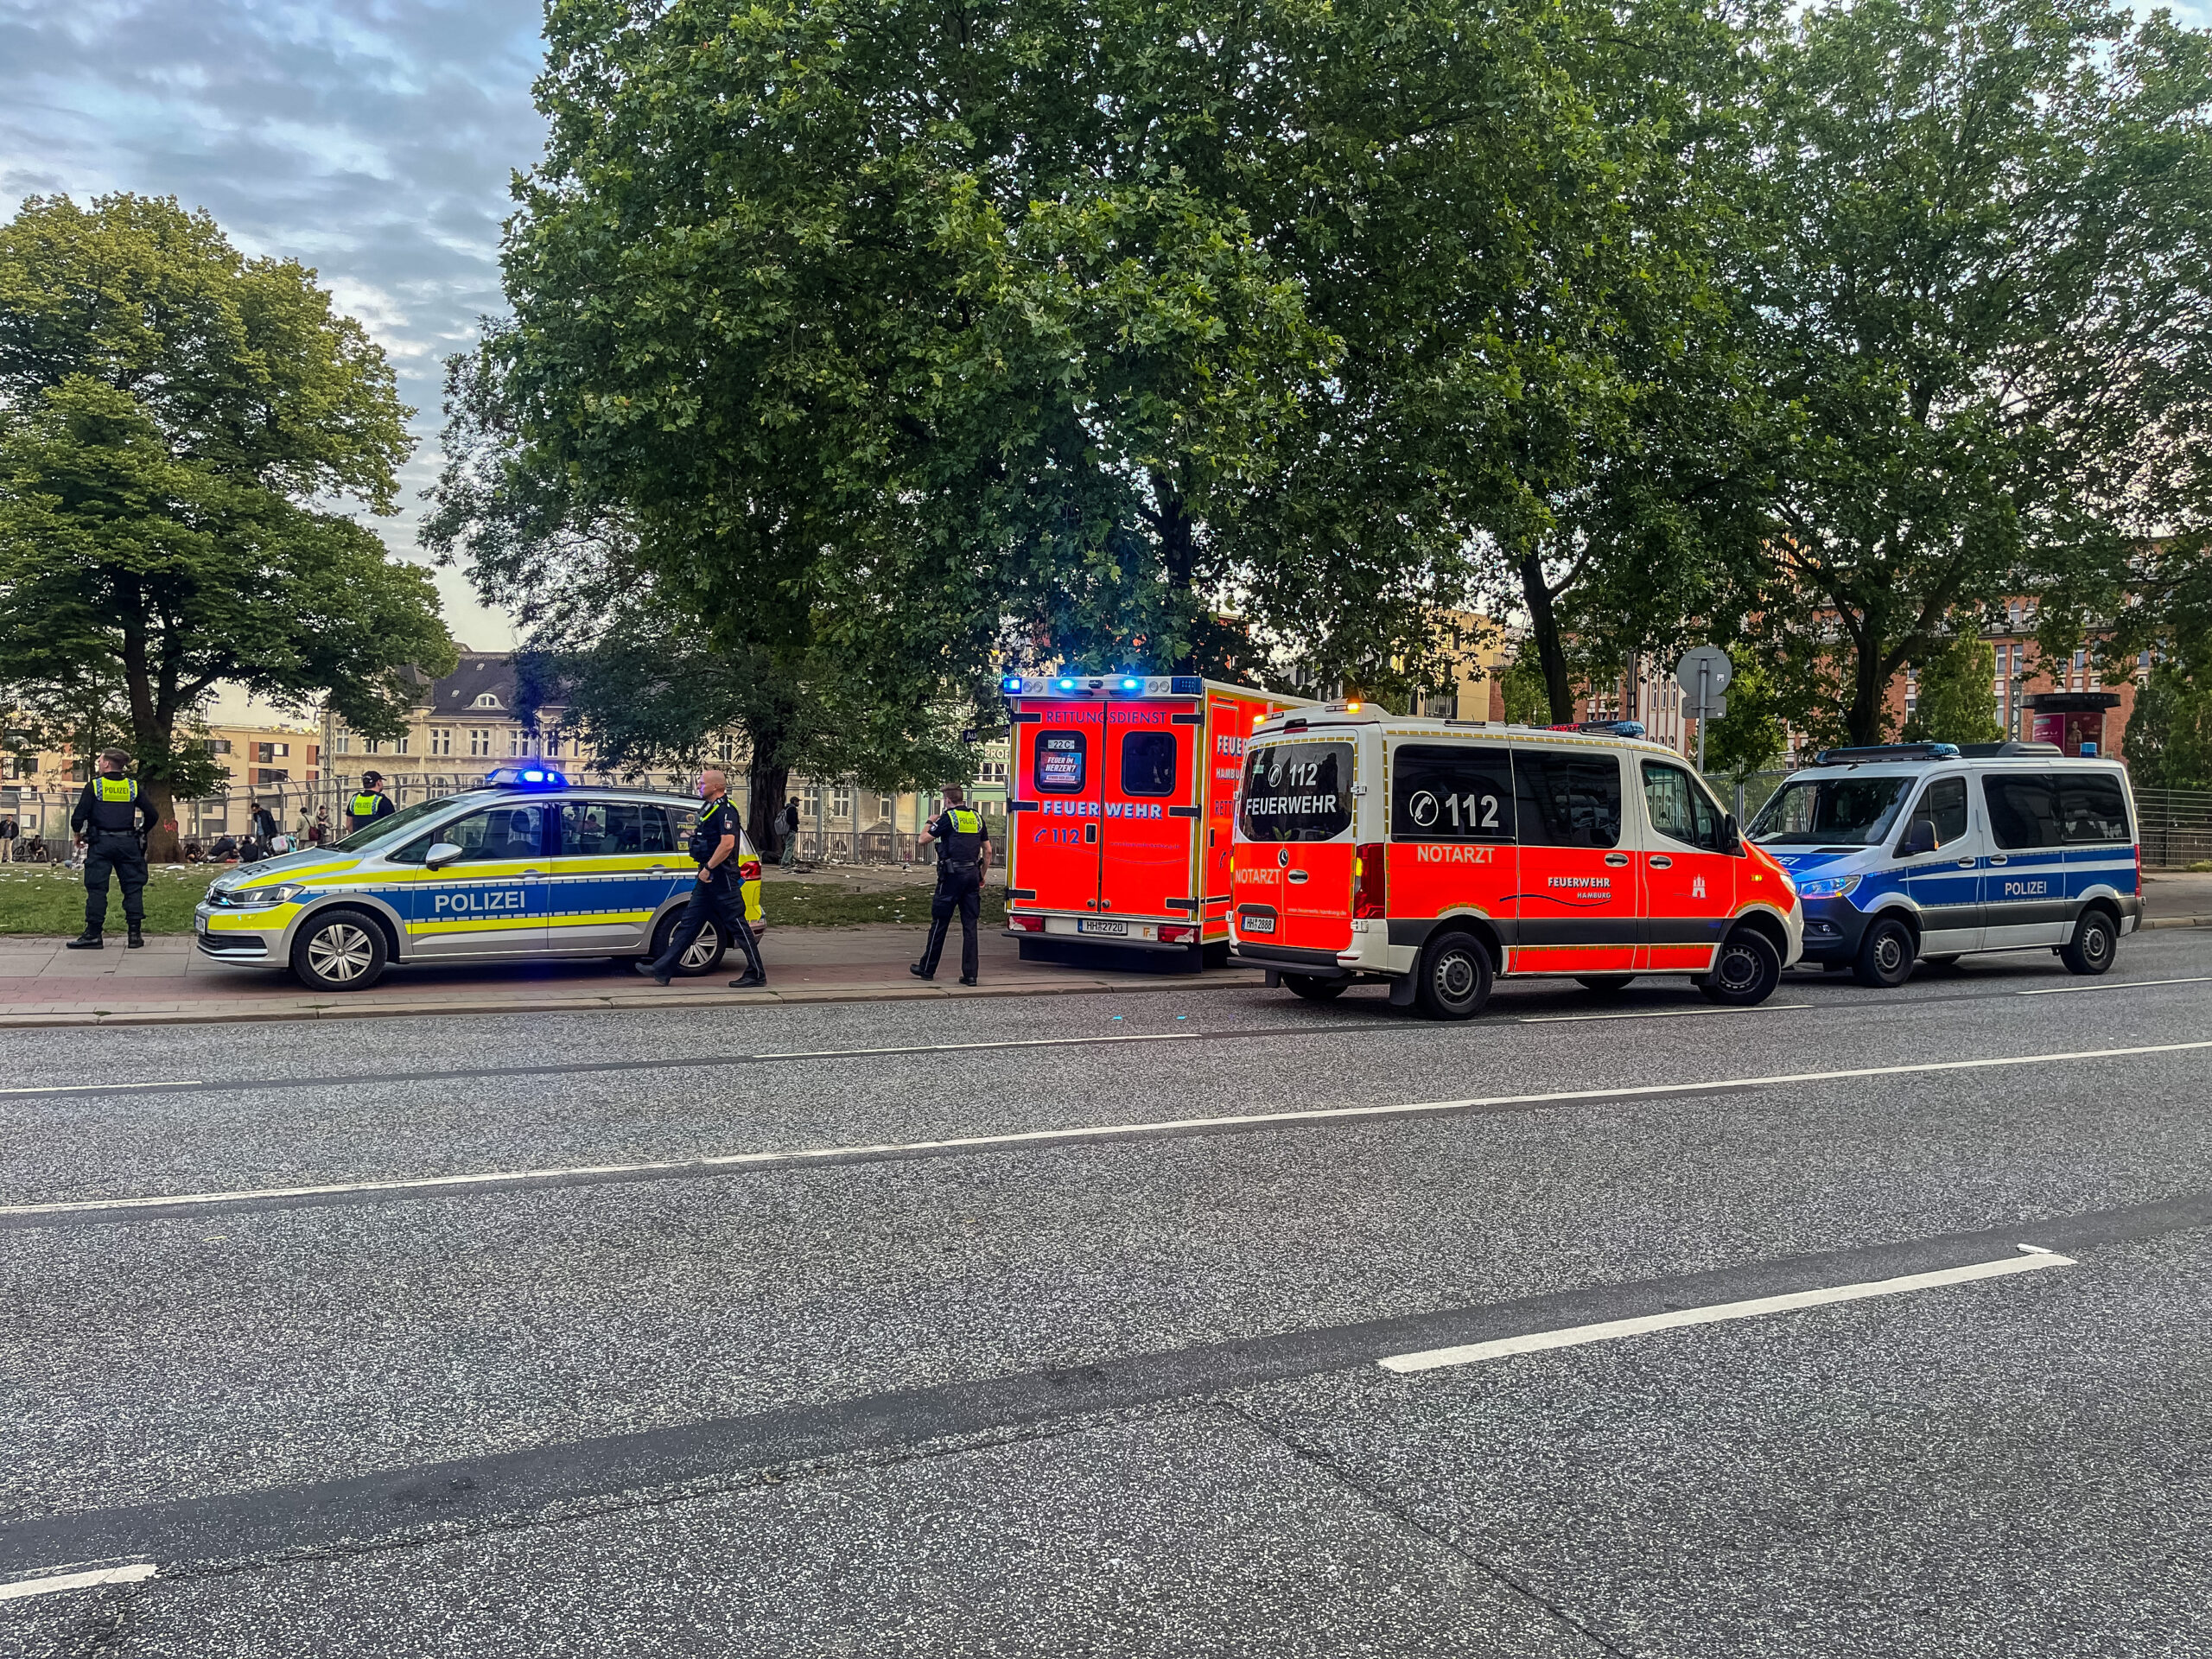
(1217,980)
(2173,921)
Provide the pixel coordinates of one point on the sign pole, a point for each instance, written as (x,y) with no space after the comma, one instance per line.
(1704,701)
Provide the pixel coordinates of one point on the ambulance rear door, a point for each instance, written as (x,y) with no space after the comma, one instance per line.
(1055,819)
(1293,878)
(1148,868)
(1229,723)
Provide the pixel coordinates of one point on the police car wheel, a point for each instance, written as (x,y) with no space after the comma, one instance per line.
(1454,978)
(2094,946)
(705,954)
(1885,954)
(1745,972)
(340,951)
(1312,989)
(1605,984)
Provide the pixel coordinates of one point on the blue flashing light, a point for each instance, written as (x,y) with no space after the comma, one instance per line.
(1951,751)
(526,777)
(1129,683)
(1011,685)
(1066,686)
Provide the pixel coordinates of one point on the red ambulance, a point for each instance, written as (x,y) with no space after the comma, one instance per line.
(1121,808)
(1436,854)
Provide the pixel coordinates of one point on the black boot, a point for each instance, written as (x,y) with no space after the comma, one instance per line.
(87,940)
(138,940)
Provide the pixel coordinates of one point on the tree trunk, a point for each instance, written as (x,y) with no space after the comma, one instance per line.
(1551,651)
(163,844)
(766,785)
(1868,712)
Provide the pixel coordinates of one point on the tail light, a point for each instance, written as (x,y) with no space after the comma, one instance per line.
(1176,933)
(749,870)
(2138,869)
(1026,923)
(1370,896)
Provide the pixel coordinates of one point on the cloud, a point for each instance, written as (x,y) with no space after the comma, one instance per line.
(372,139)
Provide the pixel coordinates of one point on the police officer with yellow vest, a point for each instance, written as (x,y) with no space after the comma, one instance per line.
(964,853)
(111,820)
(718,892)
(370,805)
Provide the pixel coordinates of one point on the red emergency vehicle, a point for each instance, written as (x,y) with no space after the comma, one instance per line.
(1121,808)
(1436,854)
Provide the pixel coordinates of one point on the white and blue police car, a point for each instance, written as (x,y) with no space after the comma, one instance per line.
(526,868)
(1926,852)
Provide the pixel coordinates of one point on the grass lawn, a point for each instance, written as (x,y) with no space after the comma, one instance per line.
(42,899)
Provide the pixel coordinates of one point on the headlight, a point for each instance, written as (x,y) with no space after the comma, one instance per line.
(263,898)
(1827,887)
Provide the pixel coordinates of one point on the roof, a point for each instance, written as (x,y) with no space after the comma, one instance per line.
(482,684)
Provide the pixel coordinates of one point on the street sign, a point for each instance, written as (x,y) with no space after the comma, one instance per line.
(1704,669)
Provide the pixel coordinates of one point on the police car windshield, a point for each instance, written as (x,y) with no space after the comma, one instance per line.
(1842,811)
(378,831)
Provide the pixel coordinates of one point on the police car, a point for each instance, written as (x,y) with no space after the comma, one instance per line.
(1909,852)
(529,866)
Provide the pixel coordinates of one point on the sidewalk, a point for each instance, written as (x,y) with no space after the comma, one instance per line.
(171,982)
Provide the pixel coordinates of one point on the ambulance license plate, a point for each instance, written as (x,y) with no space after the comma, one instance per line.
(1255,923)
(1085,924)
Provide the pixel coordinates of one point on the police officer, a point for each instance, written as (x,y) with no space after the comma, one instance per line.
(719,891)
(111,820)
(964,853)
(370,805)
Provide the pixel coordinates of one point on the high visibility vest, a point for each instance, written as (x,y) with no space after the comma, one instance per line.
(364,806)
(115,805)
(964,846)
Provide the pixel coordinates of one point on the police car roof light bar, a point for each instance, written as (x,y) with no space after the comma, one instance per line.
(1873,752)
(525,775)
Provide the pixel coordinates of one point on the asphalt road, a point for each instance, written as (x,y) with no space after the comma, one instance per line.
(1057,1327)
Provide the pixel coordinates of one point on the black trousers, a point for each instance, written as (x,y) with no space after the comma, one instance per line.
(720,898)
(107,851)
(957,889)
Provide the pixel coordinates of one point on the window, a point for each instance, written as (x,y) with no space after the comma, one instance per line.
(1565,799)
(400,747)
(515,743)
(343,742)
(491,835)
(1830,812)
(265,753)
(480,741)
(612,828)
(441,739)
(840,801)
(1945,802)
(372,746)
(885,805)
(271,775)
(484,700)
(216,745)
(2022,808)
(1678,808)
(1148,763)
(1296,791)
(1451,791)
(2092,807)
(1062,762)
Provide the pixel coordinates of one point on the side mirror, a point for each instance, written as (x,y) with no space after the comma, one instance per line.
(440,855)
(1731,835)
(1919,838)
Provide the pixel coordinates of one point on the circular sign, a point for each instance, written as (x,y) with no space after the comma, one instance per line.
(1423,809)
(1708,663)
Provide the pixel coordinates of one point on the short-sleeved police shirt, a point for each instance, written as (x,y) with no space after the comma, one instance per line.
(715,822)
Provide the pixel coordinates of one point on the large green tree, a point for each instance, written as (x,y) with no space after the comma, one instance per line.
(176,422)
(1980,303)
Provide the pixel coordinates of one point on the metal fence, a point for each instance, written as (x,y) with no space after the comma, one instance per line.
(861,833)
(2175,825)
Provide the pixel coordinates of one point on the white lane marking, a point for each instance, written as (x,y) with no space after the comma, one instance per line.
(101,1088)
(52,1583)
(1661,1014)
(1036,1137)
(962,1048)
(2032,1259)
(2117,985)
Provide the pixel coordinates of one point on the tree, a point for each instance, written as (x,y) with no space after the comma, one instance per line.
(1981,308)
(175,420)
(2170,733)
(1955,704)
(1752,736)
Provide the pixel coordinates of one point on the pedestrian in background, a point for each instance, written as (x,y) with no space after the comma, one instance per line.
(964,853)
(111,820)
(787,823)
(370,805)
(264,827)
(8,831)
(319,831)
(719,893)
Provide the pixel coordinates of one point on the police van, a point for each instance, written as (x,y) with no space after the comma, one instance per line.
(1928,852)
(1436,856)
(529,866)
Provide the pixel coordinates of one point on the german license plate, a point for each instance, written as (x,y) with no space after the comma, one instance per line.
(1255,924)
(1086,925)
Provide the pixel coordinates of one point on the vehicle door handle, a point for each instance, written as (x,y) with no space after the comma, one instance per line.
(1295,876)
(1999,858)
(1616,860)
(532,876)
(659,869)
(1965,863)
(1090,835)
(1659,861)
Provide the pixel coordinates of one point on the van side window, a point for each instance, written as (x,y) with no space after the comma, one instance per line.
(2092,807)
(1062,763)
(1148,763)
(1945,801)
(2022,808)
(1566,799)
(1678,808)
(1451,791)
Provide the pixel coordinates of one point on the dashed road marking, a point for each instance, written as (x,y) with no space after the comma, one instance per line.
(48,1584)
(100,1088)
(2116,985)
(1662,1014)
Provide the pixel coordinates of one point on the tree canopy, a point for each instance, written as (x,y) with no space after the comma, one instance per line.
(176,422)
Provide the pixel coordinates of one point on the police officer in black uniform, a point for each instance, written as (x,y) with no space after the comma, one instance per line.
(719,891)
(370,805)
(111,820)
(964,853)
